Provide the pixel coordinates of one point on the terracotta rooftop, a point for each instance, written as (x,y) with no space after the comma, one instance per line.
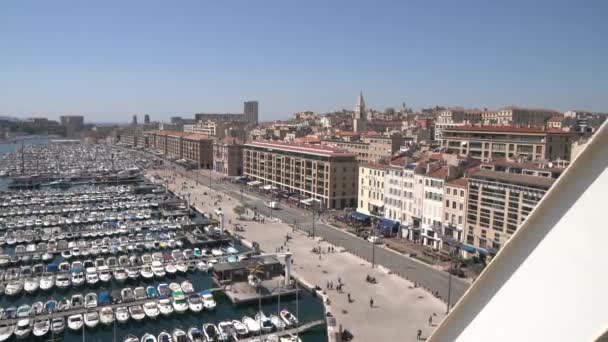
(308,140)
(503,129)
(184,135)
(346,133)
(327,151)
(440,173)
(375,166)
(459,182)
(398,161)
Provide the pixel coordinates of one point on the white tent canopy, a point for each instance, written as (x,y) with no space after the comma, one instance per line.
(254,183)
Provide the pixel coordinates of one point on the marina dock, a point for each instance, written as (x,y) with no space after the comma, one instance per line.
(297,330)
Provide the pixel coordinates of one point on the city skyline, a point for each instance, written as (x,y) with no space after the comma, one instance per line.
(112,61)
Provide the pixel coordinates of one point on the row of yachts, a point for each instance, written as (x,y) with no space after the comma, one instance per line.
(33,252)
(70,160)
(97,230)
(231,330)
(148,266)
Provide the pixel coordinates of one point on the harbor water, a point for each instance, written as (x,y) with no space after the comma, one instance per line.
(305,306)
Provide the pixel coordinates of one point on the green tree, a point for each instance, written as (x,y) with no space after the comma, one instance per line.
(239,210)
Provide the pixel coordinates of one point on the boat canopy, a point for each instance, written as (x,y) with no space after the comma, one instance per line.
(361,217)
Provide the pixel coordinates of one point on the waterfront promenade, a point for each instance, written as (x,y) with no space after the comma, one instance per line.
(399,309)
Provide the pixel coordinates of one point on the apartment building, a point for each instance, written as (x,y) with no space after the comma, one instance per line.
(370,148)
(228,157)
(371,189)
(456,117)
(518,116)
(316,173)
(492,142)
(454,212)
(179,145)
(432,207)
(498,203)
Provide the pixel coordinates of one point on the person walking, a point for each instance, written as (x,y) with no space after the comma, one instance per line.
(371,302)
(349,299)
(430,320)
(419,334)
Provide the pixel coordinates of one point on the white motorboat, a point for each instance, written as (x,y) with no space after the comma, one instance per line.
(146,272)
(137,312)
(41,327)
(90,300)
(31,284)
(252,325)
(92,278)
(47,281)
(77,301)
(67,254)
(62,280)
(158,269)
(289,319)
(211,332)
(187,287)
(164,337)
(195,303)
(289,338)
(106,316)
(78,278)
(195,335)
(151,309)
(131,338)
(277,322)
(240,328)
(202,266)
(14,287)
(226,330)
(180,305)
(148,338)
(57,325)
(6,331)
(265,323)
(133,272)
(91,319)
(165,306)
(170,269)
(38,308)
(23,328)
(122,314)
(120,274)
(208,300)
(179,335)
(104,274)
(216,252)
(181,267)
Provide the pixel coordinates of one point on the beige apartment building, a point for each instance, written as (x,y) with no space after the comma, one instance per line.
(370,148)
(517,116)
(454,210)
(316,173)
(492,142)
(497,203)
(195,148)
(371,189)
(228,157)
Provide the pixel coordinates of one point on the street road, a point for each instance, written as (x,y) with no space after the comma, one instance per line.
(428,277)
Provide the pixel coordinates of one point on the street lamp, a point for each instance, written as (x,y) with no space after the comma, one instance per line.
(453,256)
(241,192)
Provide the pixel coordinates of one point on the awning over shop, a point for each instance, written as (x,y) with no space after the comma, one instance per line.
(269,187)
(254,183)
(473,249)
(388,225)
(361,217)
(306,201)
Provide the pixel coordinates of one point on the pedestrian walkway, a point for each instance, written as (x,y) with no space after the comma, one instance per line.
(399,309)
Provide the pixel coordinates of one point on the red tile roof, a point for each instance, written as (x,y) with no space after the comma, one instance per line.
(302,148)
(440,173)
(459,182)
(398,161)
(184,135)
(503,129)
(346,133)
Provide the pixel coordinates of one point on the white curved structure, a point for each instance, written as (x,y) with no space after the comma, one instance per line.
(549,281)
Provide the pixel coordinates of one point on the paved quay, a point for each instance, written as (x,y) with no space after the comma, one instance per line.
(399,308)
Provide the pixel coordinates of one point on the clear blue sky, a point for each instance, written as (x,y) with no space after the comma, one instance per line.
(109,60)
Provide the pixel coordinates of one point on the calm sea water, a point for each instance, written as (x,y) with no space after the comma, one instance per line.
(305,307)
